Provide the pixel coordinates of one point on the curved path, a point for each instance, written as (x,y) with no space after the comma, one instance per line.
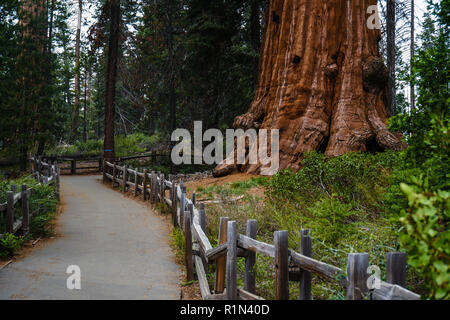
(120,246)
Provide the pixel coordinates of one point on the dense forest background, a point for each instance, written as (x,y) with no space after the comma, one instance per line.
(179,61)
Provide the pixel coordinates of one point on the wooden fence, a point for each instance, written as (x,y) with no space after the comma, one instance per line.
(42,172)
(77,158)
(289,265)
(74,160)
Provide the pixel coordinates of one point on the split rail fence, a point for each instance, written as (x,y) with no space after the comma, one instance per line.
(76,159)
(289,265)
(44,173)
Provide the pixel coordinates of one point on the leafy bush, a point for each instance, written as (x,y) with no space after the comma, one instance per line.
(9,244)
(124,145)
(43,204)
(427,237)
(333,218)
(354,178)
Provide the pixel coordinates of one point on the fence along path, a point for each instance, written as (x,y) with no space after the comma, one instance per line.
(289,264)
(44,173)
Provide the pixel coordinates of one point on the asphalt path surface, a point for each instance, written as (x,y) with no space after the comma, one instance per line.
(119,245)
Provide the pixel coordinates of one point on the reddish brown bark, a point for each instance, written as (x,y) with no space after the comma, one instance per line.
(111,77)
(31,80)
(322,82)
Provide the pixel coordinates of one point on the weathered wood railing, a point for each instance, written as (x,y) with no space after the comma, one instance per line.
(44,173)
(74,160)
(289,265)
(13,225)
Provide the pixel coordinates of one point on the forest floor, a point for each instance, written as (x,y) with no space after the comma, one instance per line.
(122,248)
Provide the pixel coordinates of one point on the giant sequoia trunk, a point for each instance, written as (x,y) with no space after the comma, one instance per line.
(31,74)
(322,82)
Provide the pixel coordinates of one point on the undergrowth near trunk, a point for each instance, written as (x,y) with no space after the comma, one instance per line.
(344,200)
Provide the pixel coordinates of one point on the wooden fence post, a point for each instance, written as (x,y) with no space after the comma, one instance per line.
(202,222)
(9,211)
(152,191)
(144,184)
(194,199)
(396,268)
(124,178)
(73,166)
(157,187)
(104,171)
(281,265)
(25,211)
(188,247)
(136,182)
(182,205)
(222,261)
(113,175)
(151,183)
(174,203)
(305,276)
(231,275)
(163,187)
(250,260)
(58,183)
(14,188)
(357,275)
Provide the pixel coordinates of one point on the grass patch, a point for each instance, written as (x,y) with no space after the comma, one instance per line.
(343,200)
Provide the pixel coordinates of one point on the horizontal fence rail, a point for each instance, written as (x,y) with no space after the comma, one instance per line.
(289,264)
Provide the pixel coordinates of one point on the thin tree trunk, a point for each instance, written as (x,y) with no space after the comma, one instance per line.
(390,48)
(412,89)
(172,98)
(76,104)
(322,83)
(85,107)
(111,74)
(98,102)
(50,28)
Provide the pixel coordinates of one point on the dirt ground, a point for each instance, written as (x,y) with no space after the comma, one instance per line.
(192,186)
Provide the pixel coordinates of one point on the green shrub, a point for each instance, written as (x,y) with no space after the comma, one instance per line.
(353,178)
(9,244)
(333,218)
(43,204)
(124,145)
(427,237)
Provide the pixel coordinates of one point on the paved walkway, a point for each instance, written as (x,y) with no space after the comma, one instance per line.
(120,246)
